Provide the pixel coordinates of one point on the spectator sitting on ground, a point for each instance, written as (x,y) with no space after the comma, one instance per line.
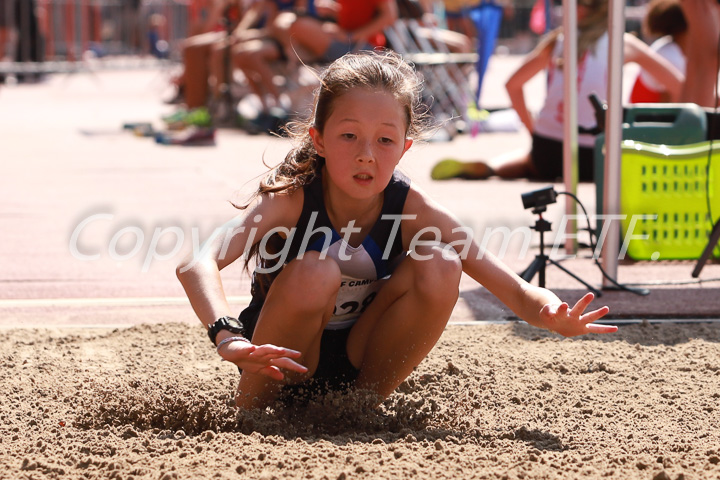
(664,21)
(545,160)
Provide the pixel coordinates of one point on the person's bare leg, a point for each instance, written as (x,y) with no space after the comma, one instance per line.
(260,61)
(280,31)
(4,36)
(512,165)
(195,60)
(312,35)
(298,306)
(243,58)
(703,19)
(405,320)
(217,75)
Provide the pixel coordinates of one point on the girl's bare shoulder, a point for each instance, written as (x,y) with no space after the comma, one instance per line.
(424,216)
(416,199)
(421,205)
(282,209)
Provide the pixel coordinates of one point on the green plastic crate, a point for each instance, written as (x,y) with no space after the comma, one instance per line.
(668,182)
(656,123)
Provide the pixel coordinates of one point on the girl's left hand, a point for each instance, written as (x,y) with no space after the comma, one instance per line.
(268,360)
(571,322)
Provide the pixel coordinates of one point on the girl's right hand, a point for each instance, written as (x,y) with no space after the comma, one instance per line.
(268,360)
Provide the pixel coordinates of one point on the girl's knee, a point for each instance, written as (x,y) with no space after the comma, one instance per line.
(314,276)
(437,271)
(298,27)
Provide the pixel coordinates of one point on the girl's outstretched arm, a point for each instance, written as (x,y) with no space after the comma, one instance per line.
(635,50)
(535,305)
(199,274)
(534,63)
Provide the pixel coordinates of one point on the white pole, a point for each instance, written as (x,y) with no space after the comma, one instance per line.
(613,139)
(570,121)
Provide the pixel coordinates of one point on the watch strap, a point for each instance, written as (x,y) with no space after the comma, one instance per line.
(225,323)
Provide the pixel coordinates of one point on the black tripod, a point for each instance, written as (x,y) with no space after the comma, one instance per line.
(712,241)
(541,260)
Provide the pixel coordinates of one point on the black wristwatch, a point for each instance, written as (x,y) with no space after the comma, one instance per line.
(225,323)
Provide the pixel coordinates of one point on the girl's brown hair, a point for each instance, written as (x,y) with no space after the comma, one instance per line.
(665,17)
(380,70)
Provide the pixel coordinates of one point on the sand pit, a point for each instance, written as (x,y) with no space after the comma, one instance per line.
(492,401)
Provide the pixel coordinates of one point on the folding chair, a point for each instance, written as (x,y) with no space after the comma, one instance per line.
(444,80)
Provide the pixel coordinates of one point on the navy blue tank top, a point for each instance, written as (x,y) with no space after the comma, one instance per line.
(363,268)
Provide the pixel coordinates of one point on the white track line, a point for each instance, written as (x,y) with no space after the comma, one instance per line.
(609,321)
(244,300)
(104,302)
(478,323)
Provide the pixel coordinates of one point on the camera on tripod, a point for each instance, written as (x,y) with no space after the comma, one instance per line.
(538,200)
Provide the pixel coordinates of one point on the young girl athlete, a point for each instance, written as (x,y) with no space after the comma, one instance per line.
(357,269)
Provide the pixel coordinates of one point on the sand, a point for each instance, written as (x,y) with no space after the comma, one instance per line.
(491,401)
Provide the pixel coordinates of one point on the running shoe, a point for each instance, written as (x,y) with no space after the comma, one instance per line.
(447,169)
(271,122)
(134,125)
(198,117)
(452,168)
(191,136)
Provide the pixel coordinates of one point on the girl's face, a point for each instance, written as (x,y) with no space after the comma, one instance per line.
(587,7)
(582,10)
(363,141)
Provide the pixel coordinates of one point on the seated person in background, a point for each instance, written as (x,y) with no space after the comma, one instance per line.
(192,84)
(254,55)
(359,25)
(545,160)
(231,23)
(665,21)
(703,19)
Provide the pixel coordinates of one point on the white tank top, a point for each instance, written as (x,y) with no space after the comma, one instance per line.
(592,78)
(670,51)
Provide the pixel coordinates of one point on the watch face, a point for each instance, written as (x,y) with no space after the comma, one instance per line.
(231,323)
(228,323)
(224,323)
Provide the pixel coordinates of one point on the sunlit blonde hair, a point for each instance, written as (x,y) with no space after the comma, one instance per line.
(590,27)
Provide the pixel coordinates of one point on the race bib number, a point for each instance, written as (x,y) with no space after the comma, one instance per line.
(354,297)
